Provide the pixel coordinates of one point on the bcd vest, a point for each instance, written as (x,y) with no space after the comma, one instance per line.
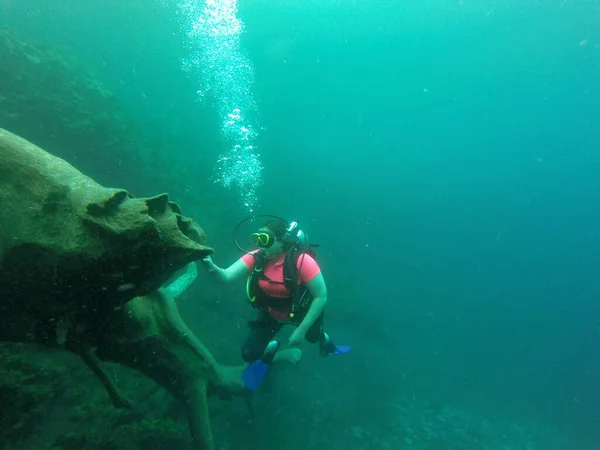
(298,303)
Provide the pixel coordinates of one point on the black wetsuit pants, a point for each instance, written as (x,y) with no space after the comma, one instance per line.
(264,328)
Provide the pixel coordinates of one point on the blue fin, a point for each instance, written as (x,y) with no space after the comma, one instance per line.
(254,374)
(329,348)
(340,350)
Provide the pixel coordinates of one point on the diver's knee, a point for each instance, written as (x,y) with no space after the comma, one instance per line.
(250,355)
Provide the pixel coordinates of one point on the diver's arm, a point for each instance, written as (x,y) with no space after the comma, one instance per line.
(233,272)
(318,290)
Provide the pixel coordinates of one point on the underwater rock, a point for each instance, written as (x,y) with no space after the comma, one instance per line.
(69,244)
(150,336)
(58,102)
(81,266)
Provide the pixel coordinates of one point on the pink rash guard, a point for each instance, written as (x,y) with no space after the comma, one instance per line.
(308,269)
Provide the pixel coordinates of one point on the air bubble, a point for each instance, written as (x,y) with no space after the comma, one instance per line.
(213,33)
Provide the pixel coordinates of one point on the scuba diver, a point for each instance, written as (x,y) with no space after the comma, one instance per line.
(286,286)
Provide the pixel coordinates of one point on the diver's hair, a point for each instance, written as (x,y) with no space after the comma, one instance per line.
(278,227)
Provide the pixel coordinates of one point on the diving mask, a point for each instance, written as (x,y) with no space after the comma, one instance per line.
(263,240)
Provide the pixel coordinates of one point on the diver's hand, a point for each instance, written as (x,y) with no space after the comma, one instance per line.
(207,262)
(209,265)
(296,338)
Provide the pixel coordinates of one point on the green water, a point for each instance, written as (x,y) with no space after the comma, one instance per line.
(444,154)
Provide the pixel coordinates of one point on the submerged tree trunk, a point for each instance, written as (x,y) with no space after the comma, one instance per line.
(81,268)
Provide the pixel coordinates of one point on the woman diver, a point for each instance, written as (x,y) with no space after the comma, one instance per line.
(286,285)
